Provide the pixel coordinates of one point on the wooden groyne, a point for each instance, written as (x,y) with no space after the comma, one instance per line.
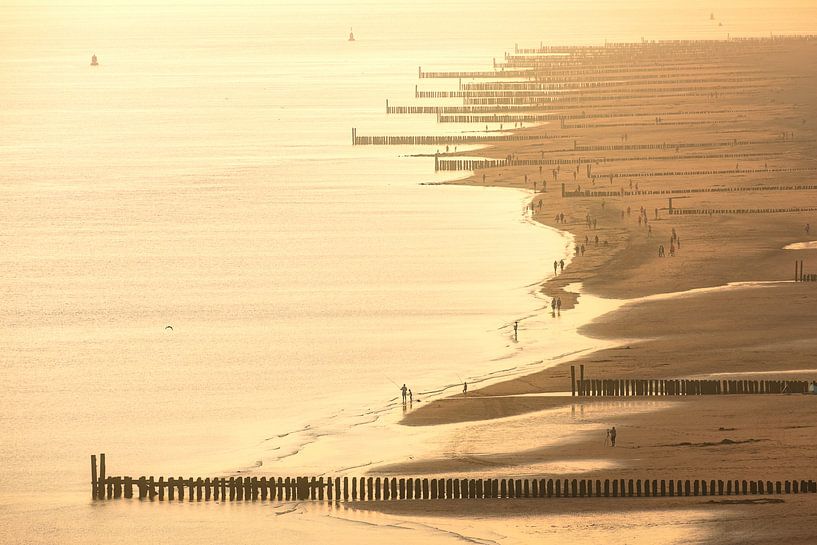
(712,211)
(586,98)
(540,117)
(800,276)
(345,489)
(477,164)
(358,140)
(701,173)
(582,385)
(622,192)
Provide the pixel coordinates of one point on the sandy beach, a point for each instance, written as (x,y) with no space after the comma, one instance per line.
(731,309)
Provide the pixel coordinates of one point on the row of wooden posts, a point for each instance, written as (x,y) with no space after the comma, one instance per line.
(627,78)
(622,192)
(588,387)
(706,46)
(555,95)
(399,488)
(514,88)
(687,46)
(358,140)
(582,98)
(800,276)
(477,164)
(728,171)
(541,117)
(711,211)
(546,73)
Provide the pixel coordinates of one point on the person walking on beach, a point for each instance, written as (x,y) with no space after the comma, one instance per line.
(515,330)
(404,390)
(559,306)
(553,306)
(411,397)
(562,265)
(464,388)
(613,436)
(555,267)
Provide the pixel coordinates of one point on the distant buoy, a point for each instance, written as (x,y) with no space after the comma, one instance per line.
(351,35)
(94,61)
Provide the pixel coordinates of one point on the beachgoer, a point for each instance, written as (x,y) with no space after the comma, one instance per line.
(559,305)
(464,388)
(597,240)
(562,265)
(555,267)
(553,305)
(515,329)
(404,390)
(411,396)
(561,217)
(582,249)
(613,436)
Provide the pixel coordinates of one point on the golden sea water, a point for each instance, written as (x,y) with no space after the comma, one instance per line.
(202,177)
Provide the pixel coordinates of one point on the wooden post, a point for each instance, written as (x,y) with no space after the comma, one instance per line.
(101,479)
(434,489)
(94,486)
(354,488)
(581,380)
(425,495)
(573,380)
(503,488)
(128,492)
(199,484)
(410,489)
(346,489)
(143,487)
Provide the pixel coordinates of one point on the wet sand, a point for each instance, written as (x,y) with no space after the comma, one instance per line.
(756,328)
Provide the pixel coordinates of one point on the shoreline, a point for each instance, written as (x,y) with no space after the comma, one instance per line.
(723,305)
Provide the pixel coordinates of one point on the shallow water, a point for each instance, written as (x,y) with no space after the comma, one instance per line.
(201,177)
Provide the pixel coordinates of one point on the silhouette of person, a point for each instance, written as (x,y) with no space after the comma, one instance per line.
(515,329)
(411,396)
(562,265)
(613,436)
(464,388)
(404,390)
